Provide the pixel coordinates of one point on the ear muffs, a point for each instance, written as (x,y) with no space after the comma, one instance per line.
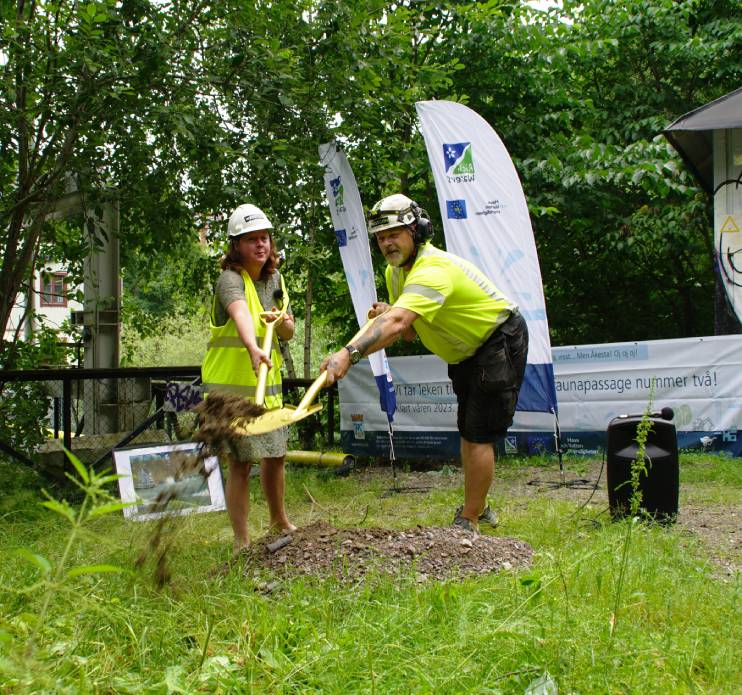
(423,225)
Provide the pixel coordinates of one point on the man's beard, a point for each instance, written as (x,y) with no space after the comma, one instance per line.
(397,259)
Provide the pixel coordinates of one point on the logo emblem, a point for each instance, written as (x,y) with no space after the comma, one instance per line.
(337,191)
(456,209)
(342,236)
(358,430)
(511,444)
(458,159)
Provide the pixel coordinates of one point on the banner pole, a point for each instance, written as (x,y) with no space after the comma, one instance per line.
(558,446)
(392,457)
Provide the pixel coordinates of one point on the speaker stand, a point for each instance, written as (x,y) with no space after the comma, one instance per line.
(396,488)
(579,483)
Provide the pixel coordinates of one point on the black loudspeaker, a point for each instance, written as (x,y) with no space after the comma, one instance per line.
(660,486)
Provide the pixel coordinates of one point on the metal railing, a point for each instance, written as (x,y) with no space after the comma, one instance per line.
(93,411)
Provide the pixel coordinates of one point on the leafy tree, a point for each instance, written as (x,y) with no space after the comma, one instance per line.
(580,95)
(185,109)
(95,96)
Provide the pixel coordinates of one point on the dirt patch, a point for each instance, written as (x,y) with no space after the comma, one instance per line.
(716,527)
(719,531)
(322,550)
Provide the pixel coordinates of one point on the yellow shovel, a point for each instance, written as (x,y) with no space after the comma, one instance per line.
(289,414)
(266,347)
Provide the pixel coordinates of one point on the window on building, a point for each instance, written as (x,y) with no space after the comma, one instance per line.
(53,289)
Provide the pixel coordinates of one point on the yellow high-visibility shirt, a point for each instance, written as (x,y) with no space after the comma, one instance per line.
(458,306)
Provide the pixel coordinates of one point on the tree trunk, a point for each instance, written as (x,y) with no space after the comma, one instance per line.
(287,358)
(308,328)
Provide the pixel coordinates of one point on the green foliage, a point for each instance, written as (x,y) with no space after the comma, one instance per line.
(24,405)
(579,95)
(180,282)
(638,470)
(55,576)
(178,339)
(185,111)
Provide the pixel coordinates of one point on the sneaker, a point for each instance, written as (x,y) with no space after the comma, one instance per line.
(488,516)
(464,523)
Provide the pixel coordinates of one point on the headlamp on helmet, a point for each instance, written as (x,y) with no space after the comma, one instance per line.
(396,211)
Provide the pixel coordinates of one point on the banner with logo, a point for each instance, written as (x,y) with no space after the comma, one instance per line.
(425,422)
(699,378)
(485,220)
(349,222)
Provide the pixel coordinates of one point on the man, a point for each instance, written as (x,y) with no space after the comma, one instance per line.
(460,316)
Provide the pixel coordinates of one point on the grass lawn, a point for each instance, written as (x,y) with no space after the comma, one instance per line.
(672,625)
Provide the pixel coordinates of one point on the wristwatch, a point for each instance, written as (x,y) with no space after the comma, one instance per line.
(355,356)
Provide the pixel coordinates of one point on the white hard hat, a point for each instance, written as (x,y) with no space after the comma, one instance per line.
(390,212)
(247,218)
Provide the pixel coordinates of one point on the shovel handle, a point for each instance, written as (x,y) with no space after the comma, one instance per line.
(319,383)
(263,368)
(312,392)
(366,326)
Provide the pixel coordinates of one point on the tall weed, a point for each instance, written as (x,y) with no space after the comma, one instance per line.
(55,575)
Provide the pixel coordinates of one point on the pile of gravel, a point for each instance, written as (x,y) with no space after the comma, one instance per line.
(435,553)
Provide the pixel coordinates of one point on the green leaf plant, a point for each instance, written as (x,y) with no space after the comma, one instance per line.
(54,575)
(638,469)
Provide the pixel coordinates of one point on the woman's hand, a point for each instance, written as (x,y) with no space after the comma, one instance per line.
(285,326)
(258,357)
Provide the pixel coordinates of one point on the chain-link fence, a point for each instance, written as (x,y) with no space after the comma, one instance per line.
(92,411)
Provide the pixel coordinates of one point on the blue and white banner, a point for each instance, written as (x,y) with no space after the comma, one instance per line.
(699,378)
(349,221)
(486,221)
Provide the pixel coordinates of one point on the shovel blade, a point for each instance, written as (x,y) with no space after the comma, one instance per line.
(273,419)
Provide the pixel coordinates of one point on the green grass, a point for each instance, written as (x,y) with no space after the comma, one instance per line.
(677,629)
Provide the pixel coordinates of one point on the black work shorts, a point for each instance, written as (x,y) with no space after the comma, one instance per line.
(487,383)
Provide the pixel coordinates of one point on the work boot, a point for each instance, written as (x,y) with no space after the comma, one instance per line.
(488,516)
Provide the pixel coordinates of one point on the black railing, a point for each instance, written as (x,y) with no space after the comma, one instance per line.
(97,410)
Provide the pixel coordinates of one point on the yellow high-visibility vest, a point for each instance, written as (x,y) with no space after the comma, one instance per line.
(227,366)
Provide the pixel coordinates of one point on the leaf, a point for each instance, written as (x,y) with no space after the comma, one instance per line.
(105,479)
(109,508)
(174,676)
(533,584)
(39,560)
(94,569)
(81,471)
(61,508)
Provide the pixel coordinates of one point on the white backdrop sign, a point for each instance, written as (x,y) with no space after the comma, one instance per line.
(699,378)
(349,222)
(485,220)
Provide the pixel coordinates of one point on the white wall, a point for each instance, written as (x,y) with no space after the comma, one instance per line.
(52,316)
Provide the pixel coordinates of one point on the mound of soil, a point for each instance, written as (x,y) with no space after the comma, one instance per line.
(322,550)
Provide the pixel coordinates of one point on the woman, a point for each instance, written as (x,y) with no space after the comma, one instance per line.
(250,284)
